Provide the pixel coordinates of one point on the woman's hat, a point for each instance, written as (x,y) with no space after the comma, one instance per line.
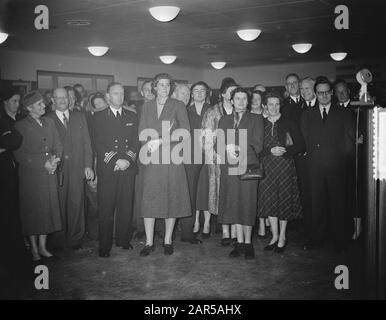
(31,98)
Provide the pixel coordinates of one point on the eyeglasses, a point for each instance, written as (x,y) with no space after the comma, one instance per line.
(323,93)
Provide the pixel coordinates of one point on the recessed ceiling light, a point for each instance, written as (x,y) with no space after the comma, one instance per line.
(3,37)
(249,34)
(98,51)
(164,13)
(168,59)
(338,56)
(218,64)
(302,47)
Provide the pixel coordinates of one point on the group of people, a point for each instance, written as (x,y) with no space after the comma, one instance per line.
(53,162)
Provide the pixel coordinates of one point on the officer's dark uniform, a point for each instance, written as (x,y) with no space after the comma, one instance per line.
(115,138)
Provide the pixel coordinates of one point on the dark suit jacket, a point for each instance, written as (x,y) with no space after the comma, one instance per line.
(76,142)
(115,138)
(292,110)
(328,144)
(284,126)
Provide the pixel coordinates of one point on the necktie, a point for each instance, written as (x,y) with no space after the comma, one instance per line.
(324,114)
(118,115)
(297,100)
(342,105)
(65,120)
(309,103)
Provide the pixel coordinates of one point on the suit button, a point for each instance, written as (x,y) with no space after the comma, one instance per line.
(116,147)
(115,140)
(318,145)
(126,140)
(127,147)
(46,153)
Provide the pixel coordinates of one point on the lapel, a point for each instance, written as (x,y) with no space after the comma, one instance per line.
(39,130)
(165,109)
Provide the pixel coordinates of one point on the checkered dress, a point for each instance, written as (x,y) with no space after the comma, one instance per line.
(278,194)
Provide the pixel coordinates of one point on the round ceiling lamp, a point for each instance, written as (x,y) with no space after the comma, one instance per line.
(338,56)
(98,51)
(164,13)
(302,47)
(3,37)
(218,64)
(249,34)
(168,59)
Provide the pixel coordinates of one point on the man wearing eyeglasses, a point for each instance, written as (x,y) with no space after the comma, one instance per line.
(329,135)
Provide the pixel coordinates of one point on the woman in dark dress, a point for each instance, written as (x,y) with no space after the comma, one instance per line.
(238,199)
(38,157)
(165,192)
(279,198)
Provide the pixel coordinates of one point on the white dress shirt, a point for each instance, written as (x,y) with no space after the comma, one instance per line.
(60,115)
(322,107)
(116,110)
(295,98)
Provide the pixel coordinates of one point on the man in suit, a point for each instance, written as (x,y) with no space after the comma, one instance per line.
(116,142)
(293,104)
(356,174)
(328,131)
(308,94)
(76,164)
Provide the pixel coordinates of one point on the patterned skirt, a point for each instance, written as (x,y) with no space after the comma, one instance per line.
(278,194)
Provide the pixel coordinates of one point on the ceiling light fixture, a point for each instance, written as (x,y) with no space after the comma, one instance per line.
(218,65)
(249,34)
(302,47)
(3,37)
(168,59)
(164,13)
(338,56)
(98,51)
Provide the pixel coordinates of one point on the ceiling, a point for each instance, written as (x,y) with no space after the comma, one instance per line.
(204,30)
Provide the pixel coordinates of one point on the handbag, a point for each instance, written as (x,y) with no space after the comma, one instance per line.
(254,172)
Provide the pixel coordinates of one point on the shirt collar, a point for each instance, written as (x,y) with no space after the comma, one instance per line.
(295,98)
(313,101)
(60,114)
(346,103)
(327,108)
(114,110)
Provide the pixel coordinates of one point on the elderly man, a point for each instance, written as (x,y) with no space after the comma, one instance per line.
(76,165)
(329,134)
(307,91)
(116,142)
(294,103)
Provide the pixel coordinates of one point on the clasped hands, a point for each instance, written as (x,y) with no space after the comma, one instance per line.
(278,151)
(233,151)
(121,165)
(52,164)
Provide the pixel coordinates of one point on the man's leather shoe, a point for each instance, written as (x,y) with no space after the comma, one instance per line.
(192,240)
(249,252)
(237,251)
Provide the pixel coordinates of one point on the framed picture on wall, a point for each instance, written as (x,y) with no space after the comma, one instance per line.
(22,86)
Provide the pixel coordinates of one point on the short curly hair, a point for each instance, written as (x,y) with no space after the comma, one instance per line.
(159,77)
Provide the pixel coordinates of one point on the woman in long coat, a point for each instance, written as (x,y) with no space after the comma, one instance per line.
(210,122)
(165,192)
(238,198)
(38,157)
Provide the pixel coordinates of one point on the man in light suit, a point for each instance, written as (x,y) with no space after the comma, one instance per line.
(75,165)
(328,131)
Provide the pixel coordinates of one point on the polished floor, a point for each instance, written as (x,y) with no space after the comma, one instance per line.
(200,272)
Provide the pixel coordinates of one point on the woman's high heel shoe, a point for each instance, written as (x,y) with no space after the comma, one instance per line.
(168,249)
(146,250)
(270,247)
(280,249)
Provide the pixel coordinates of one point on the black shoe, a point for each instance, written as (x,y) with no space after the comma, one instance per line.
(237,251)
(168,249)
(270,247)
(104,254)
(127,246)
(249,252)
(225,242)
(192,240)
(77,247)
(146,250)
(234,241)
(50,258)
(205,235)
(280,249)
